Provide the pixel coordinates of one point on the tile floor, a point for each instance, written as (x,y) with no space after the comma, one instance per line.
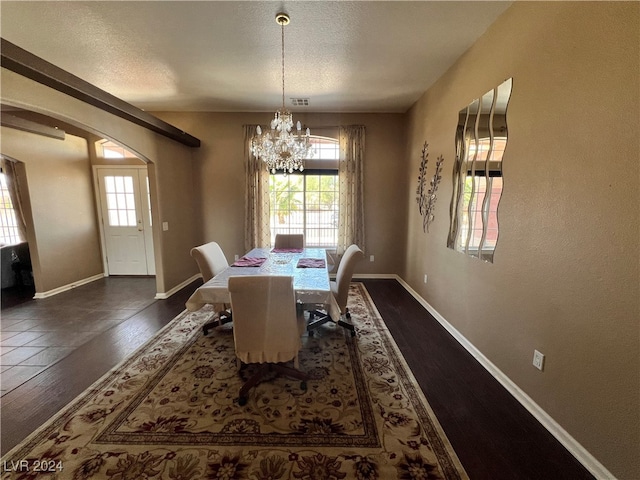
(36,334)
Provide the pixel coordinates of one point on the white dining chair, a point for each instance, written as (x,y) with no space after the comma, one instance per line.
(340,291)
(289,240)
(211,261)
(266,327)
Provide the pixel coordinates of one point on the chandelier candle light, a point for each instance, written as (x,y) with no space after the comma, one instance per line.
(279,148)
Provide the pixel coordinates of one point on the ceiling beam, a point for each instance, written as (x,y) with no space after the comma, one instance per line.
(35,68)
(18,123)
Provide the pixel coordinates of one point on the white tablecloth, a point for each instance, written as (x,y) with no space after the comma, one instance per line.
(311,285)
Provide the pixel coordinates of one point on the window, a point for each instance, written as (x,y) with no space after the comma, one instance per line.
(307,202)
(9,233)
(112,150)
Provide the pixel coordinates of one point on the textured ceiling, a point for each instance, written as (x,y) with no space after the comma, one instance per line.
(225,56)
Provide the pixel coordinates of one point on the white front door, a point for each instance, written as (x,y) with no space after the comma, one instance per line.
(126,219)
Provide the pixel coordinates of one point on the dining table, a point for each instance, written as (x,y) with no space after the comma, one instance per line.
(307,266)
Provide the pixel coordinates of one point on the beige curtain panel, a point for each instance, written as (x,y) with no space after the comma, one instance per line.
(351,184)
(257,232)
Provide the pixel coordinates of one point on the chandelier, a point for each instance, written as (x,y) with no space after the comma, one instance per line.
(280,148)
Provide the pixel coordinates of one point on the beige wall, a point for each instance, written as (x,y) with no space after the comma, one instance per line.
(220,186)
(62,227)
(565,279)
(169,166)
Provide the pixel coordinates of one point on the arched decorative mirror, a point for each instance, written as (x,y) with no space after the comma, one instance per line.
(481,139)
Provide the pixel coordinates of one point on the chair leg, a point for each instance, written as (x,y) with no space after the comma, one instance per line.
(290,372)
(263,370)
(293,372)
(252,382)
(347,325)
(223,317)
(324,318)
(209,326)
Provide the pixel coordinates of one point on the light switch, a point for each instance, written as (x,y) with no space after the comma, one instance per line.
(165,226)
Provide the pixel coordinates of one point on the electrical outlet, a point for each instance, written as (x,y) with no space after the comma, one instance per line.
(425,278)
(538,360)
(236,257)
(165,226)
(371,258)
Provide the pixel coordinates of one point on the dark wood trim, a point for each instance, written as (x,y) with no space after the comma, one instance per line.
(483,173)
(35,68)
(18,123)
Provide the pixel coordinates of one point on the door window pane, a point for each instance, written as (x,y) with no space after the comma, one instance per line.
(121,206)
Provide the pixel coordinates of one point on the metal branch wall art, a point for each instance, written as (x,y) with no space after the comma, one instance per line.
(426,198)
(422,180)
(431,194)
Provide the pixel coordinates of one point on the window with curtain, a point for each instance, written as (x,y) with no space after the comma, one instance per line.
(307,202)
(325,202)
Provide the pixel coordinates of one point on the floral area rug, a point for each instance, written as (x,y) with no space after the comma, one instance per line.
(170,411)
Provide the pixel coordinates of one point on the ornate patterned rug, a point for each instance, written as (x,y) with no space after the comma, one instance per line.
(170,411)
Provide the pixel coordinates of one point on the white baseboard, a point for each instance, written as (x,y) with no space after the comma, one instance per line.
(376,275)
(165,295)
(64,288)
(578,451)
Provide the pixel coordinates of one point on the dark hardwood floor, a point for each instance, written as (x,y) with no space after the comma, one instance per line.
(493,435)
(136,317)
